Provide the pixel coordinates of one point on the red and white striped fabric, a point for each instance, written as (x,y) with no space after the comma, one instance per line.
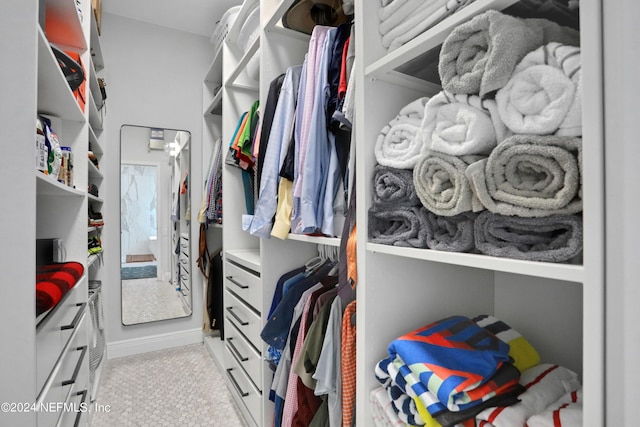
(566,412)
(545,383)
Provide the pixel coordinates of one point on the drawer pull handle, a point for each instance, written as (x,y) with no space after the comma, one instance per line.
(235,282)
(76,371)
(235,350)
(242,322)
(82,393)
(77,317)
(235,383)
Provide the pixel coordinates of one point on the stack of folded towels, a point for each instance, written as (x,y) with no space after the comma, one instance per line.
(403,20)
(467,372)
(499,169)
(53,281)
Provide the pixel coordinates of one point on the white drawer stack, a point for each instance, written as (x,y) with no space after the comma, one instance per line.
(63,361)
(243,323)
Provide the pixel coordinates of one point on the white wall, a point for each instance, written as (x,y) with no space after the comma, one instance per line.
(154,78)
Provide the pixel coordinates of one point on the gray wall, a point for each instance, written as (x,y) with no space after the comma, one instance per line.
(154,78)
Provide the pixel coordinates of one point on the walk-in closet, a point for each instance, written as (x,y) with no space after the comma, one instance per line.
(319,212)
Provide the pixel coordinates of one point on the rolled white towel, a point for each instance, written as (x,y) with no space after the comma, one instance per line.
(397,145)
(544,95)
(545,383)
(461,124)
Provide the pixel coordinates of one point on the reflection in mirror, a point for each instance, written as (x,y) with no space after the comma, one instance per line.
(154,223)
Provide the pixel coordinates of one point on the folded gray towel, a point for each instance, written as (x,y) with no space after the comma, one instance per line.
(398,227)
(530,176)
(548,239)
(442,185)
(478,57)
(450,233)
(393,187)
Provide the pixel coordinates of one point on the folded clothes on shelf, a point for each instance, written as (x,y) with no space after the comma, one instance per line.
(403,20)
(53,281)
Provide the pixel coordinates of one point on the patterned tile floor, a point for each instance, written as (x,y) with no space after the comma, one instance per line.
(146,300)
(178,387)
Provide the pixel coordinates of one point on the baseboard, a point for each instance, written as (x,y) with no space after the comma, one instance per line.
(152,343)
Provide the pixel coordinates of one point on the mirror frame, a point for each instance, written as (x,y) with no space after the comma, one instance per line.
(171,253)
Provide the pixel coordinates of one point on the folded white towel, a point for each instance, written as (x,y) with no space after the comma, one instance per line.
(545,383)
(565,412)
(544,95)
(420,21)
(381,411)
(399,11)
(397,145)
(461,124)
(442,186)
(386,13)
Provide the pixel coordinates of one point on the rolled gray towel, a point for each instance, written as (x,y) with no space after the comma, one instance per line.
(398,227)
(393,187)
(450,233)
(442,185)
(548,239)
(530,176)
(479,56)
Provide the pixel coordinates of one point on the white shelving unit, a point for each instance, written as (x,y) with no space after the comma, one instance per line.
(429,285)
(47,347)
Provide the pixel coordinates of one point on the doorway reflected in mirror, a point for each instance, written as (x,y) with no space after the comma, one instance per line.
(154,221)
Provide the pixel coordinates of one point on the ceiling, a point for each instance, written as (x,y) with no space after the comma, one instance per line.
(192,16)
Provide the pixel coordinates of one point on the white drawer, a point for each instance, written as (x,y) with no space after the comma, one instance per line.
(243,318)
(184,262)
(78,400)
(243,390)
(53,333)
(184,273)
(245,354)
(70,374)
(244,284)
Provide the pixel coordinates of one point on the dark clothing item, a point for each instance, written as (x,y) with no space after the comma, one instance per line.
(335,64)
(276,329)
(267,120)
(215,306)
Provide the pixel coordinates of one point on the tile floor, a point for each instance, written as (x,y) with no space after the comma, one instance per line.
(178,387)
(147,300)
